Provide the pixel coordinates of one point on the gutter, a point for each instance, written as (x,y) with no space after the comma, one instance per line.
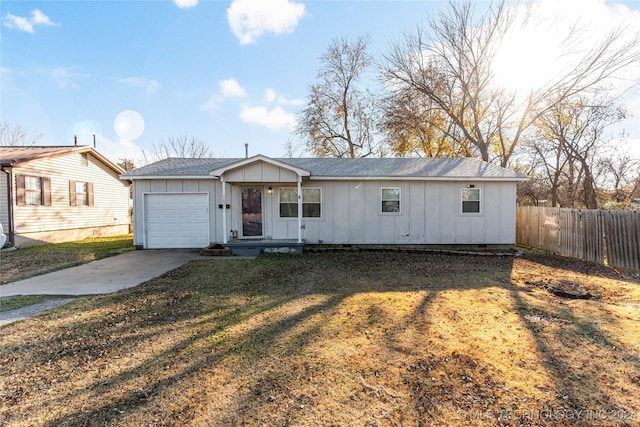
(419,178)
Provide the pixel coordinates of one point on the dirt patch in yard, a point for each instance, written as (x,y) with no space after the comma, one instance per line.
(358,339)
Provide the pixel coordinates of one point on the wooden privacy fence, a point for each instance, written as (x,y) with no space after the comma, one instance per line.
(604,237)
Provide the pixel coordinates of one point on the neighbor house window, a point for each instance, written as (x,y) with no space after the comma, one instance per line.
(390,199)
(33,190)
(470,200)
(80,193)
(311,202)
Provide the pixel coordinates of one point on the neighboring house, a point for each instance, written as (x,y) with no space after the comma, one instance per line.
(63,193)
(190,203)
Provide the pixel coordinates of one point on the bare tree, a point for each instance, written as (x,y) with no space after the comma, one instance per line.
(414,127)
(570,140)
(339,120)
(290,149)
(460,49)
(622,173)
(126,164)
(15,135)
(182,146)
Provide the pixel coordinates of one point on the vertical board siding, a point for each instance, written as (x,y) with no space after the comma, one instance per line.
(351,212)
(430,213)
(604,237)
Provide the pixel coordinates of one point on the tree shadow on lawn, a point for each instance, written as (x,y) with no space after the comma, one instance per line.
(344,339)
(593,365)
(545,259)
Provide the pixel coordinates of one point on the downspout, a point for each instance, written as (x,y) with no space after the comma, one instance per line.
(299,209)
(10,217)
(224,210)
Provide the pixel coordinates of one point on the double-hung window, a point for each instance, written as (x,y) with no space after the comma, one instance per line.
(390,200)
(33,190)
(311,202)
(471,200)
(80,193)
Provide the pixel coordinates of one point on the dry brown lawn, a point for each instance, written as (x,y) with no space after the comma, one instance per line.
(351,339)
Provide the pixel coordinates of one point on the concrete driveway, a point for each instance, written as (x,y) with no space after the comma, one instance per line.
(105,275)
(98,277)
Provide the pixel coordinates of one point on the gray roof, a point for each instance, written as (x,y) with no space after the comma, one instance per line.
(454,168)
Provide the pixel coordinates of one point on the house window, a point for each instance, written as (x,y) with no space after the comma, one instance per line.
(470,200)
(33,190)
(311,202)
(80,193)
(390,199)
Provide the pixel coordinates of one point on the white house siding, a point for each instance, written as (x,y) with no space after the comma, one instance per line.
(430,214)
(60,221)
(159,186)
(430,211)
(261,172)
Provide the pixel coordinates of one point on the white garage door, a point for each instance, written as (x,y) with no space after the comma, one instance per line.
(177,220)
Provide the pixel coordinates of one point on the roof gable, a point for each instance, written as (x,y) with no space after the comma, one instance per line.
(15,156)
(255,159)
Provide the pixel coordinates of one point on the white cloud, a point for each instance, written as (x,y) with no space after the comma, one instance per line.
(270,97)
(66,78)
(18,23)
(275,119)
(185,4)
(27,24)
(149,85)
(39,18)
(228,88)
(249,19)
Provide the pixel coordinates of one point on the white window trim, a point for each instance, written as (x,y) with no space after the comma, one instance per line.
(460,201)
(305,218)
(380,211)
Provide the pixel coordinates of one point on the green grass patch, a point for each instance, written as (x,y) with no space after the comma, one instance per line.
(33,261)
(13,303)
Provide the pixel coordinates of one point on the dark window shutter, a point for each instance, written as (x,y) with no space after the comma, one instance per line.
(46,191)
(21,199)
(72,193)
(90,193)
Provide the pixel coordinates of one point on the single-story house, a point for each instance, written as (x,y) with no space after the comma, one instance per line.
(52,194)
(192,203)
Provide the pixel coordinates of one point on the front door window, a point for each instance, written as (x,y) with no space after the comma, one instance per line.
(251,211)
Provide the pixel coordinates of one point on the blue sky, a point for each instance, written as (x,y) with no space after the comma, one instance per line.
(228,73)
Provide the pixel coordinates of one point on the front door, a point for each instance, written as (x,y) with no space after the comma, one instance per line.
(251,211)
